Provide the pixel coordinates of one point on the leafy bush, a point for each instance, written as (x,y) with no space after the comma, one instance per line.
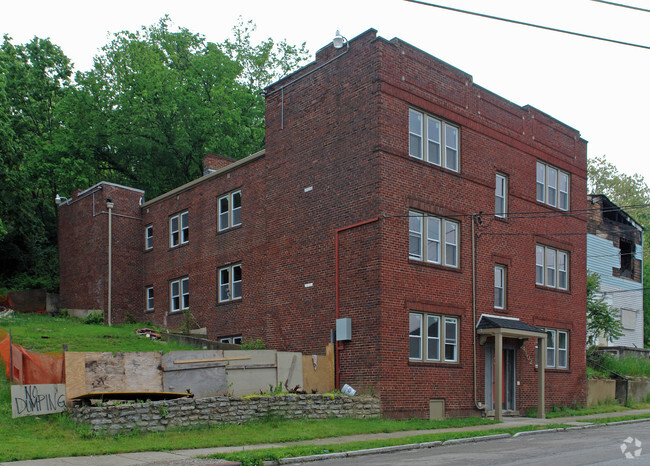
(94,318)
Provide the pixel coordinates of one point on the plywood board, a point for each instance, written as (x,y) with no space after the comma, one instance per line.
(142,371)
(105,372)
(318,372)
(75,374)
(37,399)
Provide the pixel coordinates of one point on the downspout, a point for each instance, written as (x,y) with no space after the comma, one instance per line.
(109,206)
(338,347)
(474,310)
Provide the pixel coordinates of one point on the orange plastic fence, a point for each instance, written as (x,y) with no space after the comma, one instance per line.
(30,367)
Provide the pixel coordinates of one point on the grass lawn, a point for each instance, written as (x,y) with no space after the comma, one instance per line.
(43,334)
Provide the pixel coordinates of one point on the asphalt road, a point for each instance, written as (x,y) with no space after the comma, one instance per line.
(576,447)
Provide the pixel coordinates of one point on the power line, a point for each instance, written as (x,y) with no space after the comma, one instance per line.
(523,23)
(549,233)
(622,5)
(531,213)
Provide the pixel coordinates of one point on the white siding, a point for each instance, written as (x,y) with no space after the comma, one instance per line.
(602,257)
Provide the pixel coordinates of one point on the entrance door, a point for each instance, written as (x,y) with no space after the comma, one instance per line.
(509,378)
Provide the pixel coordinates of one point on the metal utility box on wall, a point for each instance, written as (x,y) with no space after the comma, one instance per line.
(436,409)
(343,329)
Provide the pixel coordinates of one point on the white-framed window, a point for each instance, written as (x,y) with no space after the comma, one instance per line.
(230,283)
(148,237)
(179,229)
(552,186)
(229,210)
(434,140)
(499,286)
(236,340)
(433,239)
(501,196)
(149,298)
(551,267)
(557,349)
(179,293)
(433,337)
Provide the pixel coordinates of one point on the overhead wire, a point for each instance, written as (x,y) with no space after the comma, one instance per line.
(523,23)
(631,7)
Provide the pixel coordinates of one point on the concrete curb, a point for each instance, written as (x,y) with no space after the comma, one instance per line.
(481,438)
(353,453)
(532,432)
(631,421)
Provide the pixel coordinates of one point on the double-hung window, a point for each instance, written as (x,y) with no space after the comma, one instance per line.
(149,298)
(499,286)
(179,292)
(230,283)
(229,210)
(551,267)
(501,196)
(433,140)
(148,237)
(433,239)
(179,229)
(552,186)
(557,348)
(433,338)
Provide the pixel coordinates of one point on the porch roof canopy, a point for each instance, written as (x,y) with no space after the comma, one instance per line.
(510,327)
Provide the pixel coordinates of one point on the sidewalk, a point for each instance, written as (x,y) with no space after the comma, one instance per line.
(188,457)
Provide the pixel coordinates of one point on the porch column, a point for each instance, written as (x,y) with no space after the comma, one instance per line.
(498,375)
(541,368)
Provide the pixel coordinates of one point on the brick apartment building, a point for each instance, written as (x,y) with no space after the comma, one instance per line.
(393,192)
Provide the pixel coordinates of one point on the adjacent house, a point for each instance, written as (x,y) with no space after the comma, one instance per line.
(615,253)
(420,221)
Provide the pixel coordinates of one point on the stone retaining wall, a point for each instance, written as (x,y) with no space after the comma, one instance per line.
(158,416)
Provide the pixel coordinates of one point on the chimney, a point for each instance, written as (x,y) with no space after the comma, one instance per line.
(214,162)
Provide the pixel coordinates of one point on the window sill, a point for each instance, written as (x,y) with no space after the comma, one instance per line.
(448,365)
(178,246)
(226,230)
(502,219)
(555,370)
(173,313)
(501,311)
(435,266)
(148,250)
(548,288)
(232,301)
(149,311)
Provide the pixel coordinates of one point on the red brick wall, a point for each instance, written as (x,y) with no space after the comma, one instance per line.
(496,136)
(83,251)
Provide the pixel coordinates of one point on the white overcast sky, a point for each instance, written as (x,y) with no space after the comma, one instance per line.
(599,88)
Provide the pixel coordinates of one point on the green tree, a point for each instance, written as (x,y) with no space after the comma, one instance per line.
(34,80)
(632,194)
(157,100)
(602,319)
